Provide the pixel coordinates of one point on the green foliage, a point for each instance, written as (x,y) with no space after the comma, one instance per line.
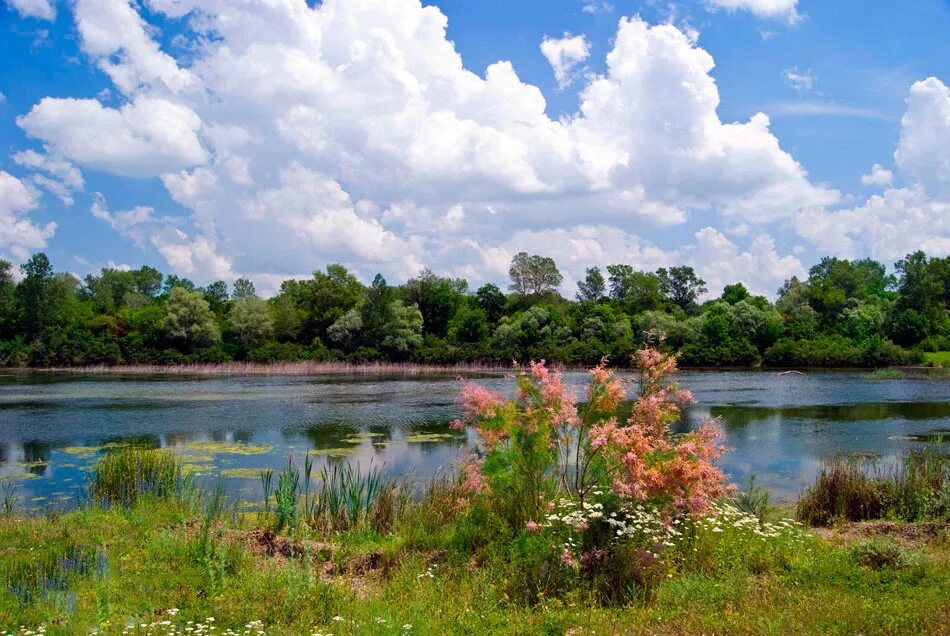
(846,313)
(918,488)
(189,318)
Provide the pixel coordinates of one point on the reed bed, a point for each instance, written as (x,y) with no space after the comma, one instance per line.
(915,489)
(127,475)
(284,369)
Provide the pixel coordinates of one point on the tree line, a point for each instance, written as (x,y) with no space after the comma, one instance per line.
(845,313)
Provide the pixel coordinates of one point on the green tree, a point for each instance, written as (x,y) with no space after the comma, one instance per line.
(346,330)
(244,288)
(637,291)
(375,311)
(492,301)
(250,321)
(216,294)
(403,332)
(592,287)
(325,298)
(533,275)
(8,317)
(469,325)
(733,294)
(438,298)
(681,286)
(34,294)
(189,319)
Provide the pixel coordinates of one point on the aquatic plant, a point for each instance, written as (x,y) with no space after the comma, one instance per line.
(915,488)
(128,474)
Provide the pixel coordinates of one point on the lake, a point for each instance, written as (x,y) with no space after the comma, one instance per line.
(52,427)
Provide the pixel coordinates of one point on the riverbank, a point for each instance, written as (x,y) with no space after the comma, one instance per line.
(189,565)
(305,368)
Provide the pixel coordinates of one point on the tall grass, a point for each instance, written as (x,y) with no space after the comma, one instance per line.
(916,488)
(127,475)
(348,498)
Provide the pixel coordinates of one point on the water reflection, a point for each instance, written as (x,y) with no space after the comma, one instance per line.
(54,427)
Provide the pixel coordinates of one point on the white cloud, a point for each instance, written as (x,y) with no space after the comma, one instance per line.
(878,176)
(117,38)
(721,262)
(597,6)
(774,9)
(923,153)
(351,131)
(801,81)
(564,54)
(42,9)
(61,177)
(900,220)
(886,226)
(807,108)
(131,223)
(18,235)
(145,137)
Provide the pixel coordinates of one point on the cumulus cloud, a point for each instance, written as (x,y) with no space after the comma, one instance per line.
(923,153)
(721,262)
(351,131)
(42,9)
(18,234)
(900,220)
(878,176)
(564,54)
(145,137)
(774,9)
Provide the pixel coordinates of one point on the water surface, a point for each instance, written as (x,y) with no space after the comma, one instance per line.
(52,427)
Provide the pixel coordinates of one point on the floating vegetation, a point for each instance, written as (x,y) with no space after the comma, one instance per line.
(343,451)
(18,476)
(416,438)
(362,438)
(887,374)
(242,473)
(229,448)
(195,469)
(85,452)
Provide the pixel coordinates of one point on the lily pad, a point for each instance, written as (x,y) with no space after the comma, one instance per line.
(416,438)
(82,451)
(230,448)
(242,473)
(334,452)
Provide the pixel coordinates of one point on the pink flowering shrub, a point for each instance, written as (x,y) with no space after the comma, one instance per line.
(542,445)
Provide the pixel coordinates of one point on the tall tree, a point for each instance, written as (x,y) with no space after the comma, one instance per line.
(250,320)
(592,287)
(437,297)
(492,301)
(682,286)
(533,275)
(244,288)
(34,294)
(189,318)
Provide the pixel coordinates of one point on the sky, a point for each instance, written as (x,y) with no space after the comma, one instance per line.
(268,138)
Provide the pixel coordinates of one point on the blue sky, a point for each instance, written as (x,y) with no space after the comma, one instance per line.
(220,141)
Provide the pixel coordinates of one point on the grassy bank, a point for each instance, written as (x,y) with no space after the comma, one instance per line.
(358,554)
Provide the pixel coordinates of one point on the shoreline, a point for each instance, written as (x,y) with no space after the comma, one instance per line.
(306,368)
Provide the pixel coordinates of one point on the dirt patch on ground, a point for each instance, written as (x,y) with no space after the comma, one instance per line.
(912,535)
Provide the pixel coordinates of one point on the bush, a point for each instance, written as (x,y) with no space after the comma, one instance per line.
(918,488)
(273,351)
